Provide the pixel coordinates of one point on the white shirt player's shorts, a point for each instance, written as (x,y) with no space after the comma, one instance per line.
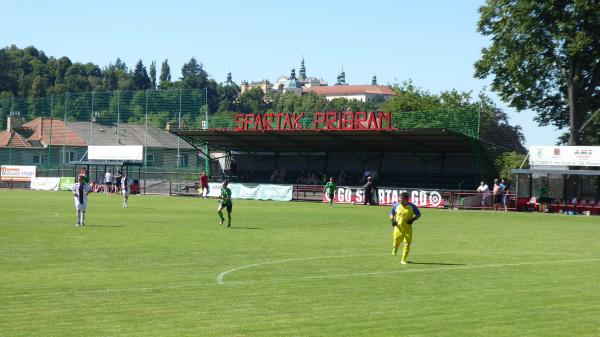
(81,207)
(125,192)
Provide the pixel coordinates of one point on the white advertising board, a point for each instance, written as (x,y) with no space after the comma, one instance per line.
(122,152)
(564,155)
(17,173)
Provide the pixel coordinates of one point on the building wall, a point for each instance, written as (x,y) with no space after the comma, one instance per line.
(56,156)
(360,97)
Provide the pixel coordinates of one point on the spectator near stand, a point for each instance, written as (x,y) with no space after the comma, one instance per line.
(204,189)
(369,191)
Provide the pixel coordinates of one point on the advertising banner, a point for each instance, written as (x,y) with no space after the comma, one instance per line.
(121,152)
(17,173)
(388,196)
(67,183)
(564,155)
(45,183)
(254,191)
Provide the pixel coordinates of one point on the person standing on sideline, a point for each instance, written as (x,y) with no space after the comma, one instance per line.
(496,195)
(369,189)
(118,177)
(329,190)
(125,188)
(403,215)
(504,194)
(204,185)
(225,202)
(80,192)
(484,191)
(107,182)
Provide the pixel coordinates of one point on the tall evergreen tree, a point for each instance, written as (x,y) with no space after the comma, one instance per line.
(120,65)
(141,81)
(193,76)
(152,73)
(165,75)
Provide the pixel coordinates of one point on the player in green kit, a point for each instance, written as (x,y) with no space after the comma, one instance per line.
(225,202)
(330,190)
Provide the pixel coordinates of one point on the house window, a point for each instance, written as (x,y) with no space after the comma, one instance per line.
(183,160)
(40,159)
(149,159)
(69,157)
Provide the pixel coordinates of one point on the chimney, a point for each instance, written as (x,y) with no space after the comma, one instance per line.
(14,122)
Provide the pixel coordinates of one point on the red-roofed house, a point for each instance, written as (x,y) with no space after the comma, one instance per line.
(46,140)
(358,92)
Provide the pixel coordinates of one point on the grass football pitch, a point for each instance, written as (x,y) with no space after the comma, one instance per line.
(164,267)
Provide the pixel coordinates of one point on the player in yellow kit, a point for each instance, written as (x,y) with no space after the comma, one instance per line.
(403,215)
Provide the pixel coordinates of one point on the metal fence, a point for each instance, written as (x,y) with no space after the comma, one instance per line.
(105,118)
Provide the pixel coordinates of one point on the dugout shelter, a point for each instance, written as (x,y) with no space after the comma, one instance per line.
(561,179)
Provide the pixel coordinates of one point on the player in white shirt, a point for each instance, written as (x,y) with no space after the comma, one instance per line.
(484,191)
(483,187)
(125,188)
(80,193)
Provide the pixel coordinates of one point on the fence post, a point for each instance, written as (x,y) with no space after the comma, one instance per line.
(50,136)
(92,121)
(146,132)
(65,126)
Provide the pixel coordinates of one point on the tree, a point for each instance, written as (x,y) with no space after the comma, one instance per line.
(544,56)
(252,101)
(141,81)
(409,97)
(508,161)
(76,78)
(152,73)
(193,76)
(165,75)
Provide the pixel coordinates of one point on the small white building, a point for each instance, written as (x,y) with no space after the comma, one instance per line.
(361,93)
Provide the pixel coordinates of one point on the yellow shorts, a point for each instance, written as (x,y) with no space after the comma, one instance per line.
(403,234)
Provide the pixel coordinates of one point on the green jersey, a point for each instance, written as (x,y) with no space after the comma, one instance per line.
(330,188)
(225,196)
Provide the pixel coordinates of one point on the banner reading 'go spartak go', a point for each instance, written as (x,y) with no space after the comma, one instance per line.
(17,173)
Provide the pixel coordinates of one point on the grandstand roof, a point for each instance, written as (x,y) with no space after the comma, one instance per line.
(305,141)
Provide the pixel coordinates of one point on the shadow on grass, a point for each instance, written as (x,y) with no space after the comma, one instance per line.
(243,228)
(438,263)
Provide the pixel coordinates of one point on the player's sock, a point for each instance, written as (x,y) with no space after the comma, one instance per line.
(395,251)
(82,218)
(405,251)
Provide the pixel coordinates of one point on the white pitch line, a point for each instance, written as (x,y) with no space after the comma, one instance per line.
(222,275)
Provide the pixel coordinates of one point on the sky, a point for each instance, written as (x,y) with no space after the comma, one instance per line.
(434,43)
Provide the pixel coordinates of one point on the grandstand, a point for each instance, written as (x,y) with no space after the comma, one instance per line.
(430,149)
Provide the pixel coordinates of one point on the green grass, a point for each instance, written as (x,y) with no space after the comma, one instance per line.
(289,269)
